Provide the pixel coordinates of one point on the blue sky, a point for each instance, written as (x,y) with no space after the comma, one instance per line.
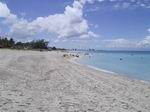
(100,24)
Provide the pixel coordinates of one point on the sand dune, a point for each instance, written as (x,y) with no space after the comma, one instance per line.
(32,81)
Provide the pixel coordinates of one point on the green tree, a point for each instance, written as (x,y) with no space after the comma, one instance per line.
(39,44)
(11,42)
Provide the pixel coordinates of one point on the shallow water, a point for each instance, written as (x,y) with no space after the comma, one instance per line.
(131,64)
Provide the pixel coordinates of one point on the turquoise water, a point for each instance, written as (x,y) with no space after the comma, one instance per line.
(131,64)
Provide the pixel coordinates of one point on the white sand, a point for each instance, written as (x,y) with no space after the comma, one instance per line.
(32,81)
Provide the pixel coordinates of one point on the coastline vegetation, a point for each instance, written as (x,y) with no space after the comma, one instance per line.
(40,44)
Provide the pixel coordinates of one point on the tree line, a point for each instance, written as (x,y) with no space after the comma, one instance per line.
(11,43)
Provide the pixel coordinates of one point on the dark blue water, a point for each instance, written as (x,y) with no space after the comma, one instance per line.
(132,64)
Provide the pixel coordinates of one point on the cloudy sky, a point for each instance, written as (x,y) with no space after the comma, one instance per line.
(100,24)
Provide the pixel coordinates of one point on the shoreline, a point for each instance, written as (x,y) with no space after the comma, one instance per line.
(46,81)
(90,66)
(74,60)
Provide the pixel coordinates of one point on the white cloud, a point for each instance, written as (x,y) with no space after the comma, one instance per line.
(124,43)
(144,43)
(118,43)
(6,14)
(126,4)
(4,11)
(148,30)
(68,24)
(89,35)
(23,14)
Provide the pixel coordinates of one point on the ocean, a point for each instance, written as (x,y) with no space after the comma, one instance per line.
(134,64)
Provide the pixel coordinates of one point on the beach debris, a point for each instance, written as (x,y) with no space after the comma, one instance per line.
(71,55)
(65,55)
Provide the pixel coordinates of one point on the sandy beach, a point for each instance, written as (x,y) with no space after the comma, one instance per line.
(33,81)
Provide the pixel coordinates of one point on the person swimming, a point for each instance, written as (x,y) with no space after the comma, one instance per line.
(121,59)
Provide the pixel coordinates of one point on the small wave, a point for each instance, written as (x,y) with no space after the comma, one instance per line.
(102,70)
